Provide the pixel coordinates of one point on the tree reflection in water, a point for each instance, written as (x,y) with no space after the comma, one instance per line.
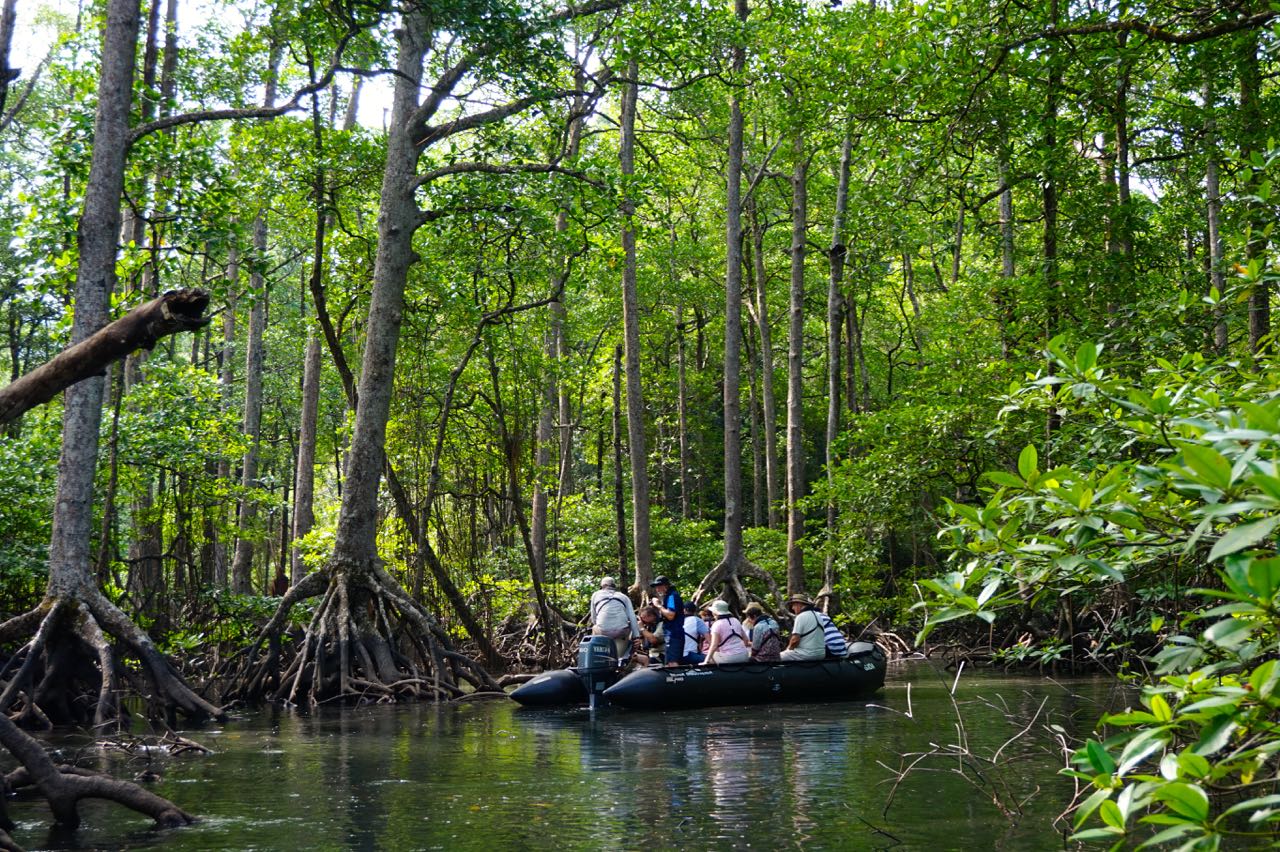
(491,777)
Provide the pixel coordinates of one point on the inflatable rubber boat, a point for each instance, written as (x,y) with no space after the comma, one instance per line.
(585,683)
(596,680)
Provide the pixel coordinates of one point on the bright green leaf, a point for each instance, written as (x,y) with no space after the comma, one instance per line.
(1245,535)
(1027,461)
(1213,469)
(1101,762)
(1185,799)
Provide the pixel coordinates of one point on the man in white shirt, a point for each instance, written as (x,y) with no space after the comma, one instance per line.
(694,629)
(611,615)
(808,641)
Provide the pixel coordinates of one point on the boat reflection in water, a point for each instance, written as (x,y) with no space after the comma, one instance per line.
(711,768)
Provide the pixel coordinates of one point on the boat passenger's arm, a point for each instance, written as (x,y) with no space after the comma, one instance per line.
(711,651)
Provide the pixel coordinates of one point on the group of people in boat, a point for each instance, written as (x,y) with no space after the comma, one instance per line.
(686,634)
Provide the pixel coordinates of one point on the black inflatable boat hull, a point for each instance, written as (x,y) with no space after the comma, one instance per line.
(552,689)
(750,683)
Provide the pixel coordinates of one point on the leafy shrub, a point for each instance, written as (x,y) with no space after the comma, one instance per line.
(1188,514)
(28,465)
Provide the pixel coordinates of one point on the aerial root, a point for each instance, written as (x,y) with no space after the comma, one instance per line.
(367,640)
(726,578)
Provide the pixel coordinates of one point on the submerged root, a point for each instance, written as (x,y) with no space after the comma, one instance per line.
(367,641)
(65,786)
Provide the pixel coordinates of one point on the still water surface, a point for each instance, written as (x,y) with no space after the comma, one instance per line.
(487,775)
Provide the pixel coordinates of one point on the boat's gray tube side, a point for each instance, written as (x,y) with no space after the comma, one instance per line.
(750,683)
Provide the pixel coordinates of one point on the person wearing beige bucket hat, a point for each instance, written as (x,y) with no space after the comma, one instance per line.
(766,640)
(729,640)
(814,636)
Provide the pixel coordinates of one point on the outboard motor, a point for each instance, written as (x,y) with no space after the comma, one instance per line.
(597,665)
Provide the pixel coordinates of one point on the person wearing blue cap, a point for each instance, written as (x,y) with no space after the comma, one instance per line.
(671,609)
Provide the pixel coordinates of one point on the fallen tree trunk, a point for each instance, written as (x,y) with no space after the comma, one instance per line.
(141,328)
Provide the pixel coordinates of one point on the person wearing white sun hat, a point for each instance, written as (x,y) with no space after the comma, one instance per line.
(729,640)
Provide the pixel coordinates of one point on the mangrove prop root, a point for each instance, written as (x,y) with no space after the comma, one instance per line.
(24,624)
(368,640)
(79,668)
(31,716)
(522,638)
(107,709)
(726,579)
(34,651)
(170,688)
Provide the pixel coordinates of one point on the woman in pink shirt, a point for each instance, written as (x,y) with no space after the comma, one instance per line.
(729,641)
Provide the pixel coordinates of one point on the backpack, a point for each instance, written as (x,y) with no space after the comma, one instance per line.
(613,632)
(770,648)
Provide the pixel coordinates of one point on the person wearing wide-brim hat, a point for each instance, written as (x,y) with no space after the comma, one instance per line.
(807,636)
(729,639)
(766,638)
(671,608)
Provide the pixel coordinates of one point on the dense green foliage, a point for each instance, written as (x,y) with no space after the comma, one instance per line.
(1159,529)
(1056,387)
